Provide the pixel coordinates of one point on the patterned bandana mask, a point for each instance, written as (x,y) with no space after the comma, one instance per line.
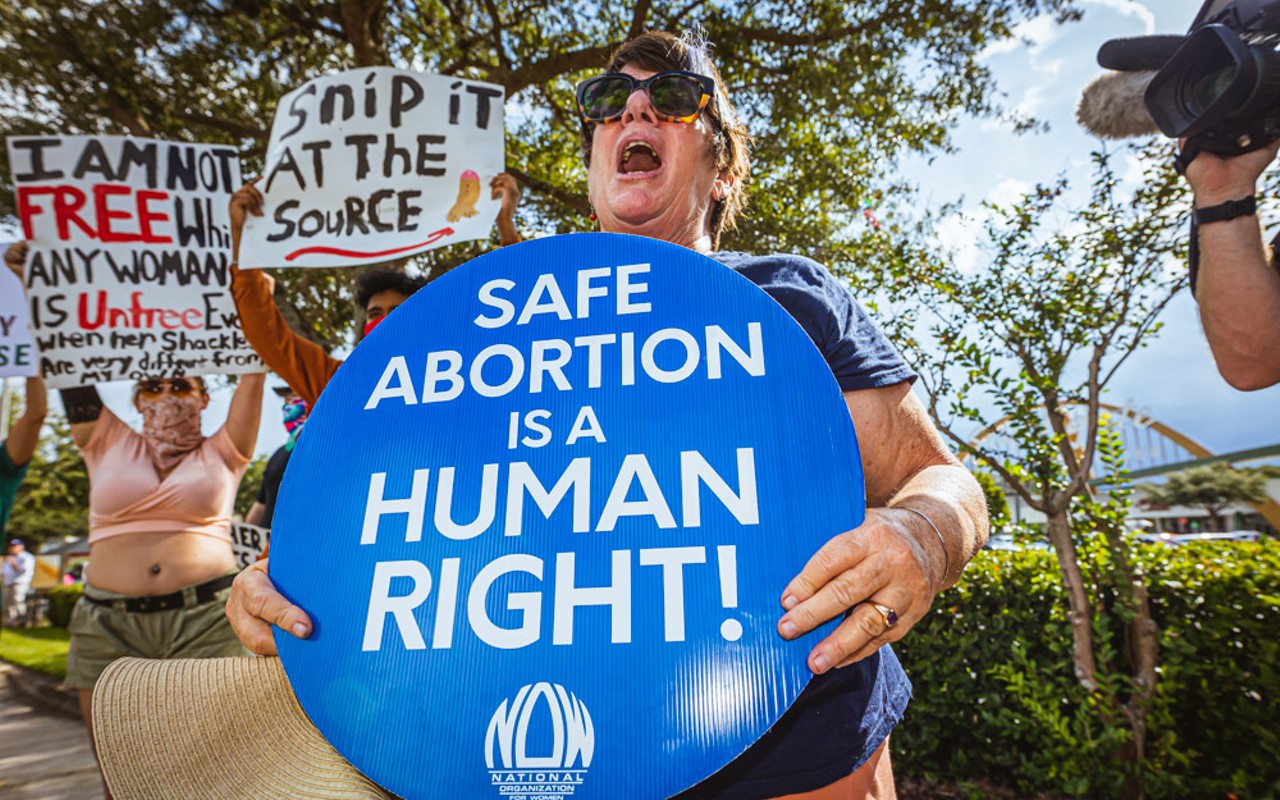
(171,426)
(295,414)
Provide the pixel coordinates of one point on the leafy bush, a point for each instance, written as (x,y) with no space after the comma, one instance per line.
(62,599)
(995,698)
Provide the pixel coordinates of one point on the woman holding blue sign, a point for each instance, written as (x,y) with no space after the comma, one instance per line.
(667,159)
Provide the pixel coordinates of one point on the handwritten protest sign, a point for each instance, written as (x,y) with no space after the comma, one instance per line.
(376,163)
(17,351)
(130,252)
(248,543)
(588,467)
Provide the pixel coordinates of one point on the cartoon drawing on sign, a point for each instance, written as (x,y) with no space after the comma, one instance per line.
(468,194)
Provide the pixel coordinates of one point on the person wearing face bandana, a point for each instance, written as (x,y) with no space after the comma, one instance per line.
(294,411)
(160,503)
(303,364)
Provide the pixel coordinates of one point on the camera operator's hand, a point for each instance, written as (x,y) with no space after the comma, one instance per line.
(1215,179)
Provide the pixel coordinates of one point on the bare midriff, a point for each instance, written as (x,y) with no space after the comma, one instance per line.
(160,562)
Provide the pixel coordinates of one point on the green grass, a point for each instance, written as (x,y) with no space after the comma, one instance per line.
(41,649)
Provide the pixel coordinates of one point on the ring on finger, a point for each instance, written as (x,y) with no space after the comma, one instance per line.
(888,614)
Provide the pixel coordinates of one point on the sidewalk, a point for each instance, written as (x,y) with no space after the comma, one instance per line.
(44,755)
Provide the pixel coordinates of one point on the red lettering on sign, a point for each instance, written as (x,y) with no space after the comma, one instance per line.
(146,216)
(135,316)
(67,202)
(113,220)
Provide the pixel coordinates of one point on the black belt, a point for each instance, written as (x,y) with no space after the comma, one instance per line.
(204,593)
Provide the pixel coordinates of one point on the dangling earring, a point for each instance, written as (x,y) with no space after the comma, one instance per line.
(592,216)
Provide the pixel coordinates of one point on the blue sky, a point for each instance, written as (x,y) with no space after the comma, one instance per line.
(1042,72)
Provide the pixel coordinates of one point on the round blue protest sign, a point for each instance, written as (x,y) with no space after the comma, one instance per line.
(543,516)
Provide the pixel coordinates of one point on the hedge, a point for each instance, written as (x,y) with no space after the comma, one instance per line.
(995,699)
(62,599)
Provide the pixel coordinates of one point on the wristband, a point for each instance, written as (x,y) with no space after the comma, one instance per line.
(1244,207)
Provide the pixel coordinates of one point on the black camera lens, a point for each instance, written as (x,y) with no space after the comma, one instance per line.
(1210,78)
(1200,92)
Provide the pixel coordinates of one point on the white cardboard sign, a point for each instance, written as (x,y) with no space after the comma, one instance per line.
(17,350)
(128,271)
(374,164)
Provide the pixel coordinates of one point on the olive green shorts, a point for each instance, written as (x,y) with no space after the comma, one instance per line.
(101,634)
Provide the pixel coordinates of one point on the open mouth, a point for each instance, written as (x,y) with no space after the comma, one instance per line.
(639,157)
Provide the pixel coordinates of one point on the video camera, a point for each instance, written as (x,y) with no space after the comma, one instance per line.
(1218,86)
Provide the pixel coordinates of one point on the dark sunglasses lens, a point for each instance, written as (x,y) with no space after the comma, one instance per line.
(675,95)
(606,97)
(179,386)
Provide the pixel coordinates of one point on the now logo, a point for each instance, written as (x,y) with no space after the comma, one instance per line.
(573,738)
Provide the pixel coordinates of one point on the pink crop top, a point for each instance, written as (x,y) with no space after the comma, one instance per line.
(127,496)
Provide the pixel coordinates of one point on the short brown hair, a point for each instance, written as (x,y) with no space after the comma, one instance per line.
(660,51)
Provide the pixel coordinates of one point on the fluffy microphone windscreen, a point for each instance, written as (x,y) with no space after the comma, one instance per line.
(1113,106)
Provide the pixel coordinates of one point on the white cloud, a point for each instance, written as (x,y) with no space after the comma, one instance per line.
(1009,191)
(1034,34)
(1032,101)
(958,236)
(1130,8)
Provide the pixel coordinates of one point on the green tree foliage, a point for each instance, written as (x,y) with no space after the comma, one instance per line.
(53,500)
(835,92)
(1212,487)
(997,503)
(250,484)
(1037,333)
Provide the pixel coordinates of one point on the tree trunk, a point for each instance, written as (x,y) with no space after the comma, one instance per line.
(1142,648)
(1079,612)
(361,22)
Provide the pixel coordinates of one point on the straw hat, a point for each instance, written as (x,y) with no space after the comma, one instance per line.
(213,728)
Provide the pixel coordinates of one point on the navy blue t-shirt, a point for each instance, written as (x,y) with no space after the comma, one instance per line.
(842,717)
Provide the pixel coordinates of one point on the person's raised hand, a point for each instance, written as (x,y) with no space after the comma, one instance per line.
(15,258)
(504,187)
(881,562)
(244,201)
(255,606)
(1216,179)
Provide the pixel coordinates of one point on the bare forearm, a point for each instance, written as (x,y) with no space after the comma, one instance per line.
(1239,295)
(246,412)
(25,433)
(949,497)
